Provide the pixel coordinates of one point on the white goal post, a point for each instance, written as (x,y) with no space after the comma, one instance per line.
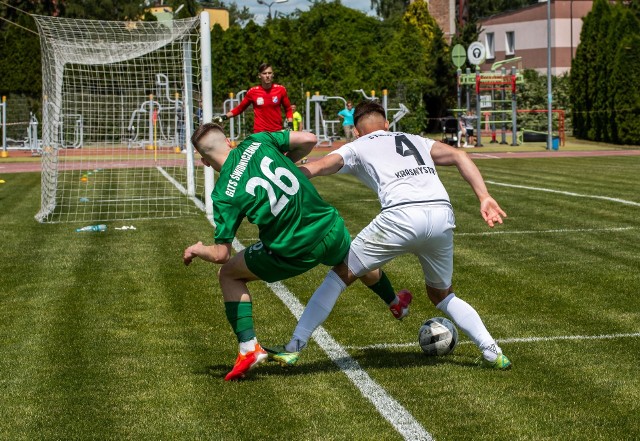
(120,102)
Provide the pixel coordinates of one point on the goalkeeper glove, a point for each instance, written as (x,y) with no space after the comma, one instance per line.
(287,125)
(218,119)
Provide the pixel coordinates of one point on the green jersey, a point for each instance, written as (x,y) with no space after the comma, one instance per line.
(258,182)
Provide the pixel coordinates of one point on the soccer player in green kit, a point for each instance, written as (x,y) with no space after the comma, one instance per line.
(298,230)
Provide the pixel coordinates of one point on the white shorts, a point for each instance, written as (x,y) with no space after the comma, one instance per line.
(423,230)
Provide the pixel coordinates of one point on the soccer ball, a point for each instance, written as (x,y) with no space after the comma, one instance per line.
(438,336)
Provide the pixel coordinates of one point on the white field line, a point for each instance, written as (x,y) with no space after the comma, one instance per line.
(560,230)
(567,193)
(485,155)
(181,188)
(507,340)
(389,408)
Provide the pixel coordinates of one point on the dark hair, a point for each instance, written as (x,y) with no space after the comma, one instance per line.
(263,67)
(203,130)
(368,107)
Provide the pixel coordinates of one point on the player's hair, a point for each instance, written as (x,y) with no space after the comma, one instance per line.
(201,132)
(365,108)
(263,67)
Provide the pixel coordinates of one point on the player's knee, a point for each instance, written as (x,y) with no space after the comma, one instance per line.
(436,295)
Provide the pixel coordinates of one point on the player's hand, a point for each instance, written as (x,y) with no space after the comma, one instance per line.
(491,211)
(287,125)
(219,119)
(190,253)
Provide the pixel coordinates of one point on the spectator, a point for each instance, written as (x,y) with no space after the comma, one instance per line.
(297,119)
(347,121)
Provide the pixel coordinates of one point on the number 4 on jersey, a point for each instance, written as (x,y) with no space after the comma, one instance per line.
(401,142)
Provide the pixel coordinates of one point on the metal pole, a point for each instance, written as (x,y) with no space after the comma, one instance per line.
(187,108)
(514,107)
(459,88)
(307,113)
(478,109)
(207,101)
(549,93)
(4,127)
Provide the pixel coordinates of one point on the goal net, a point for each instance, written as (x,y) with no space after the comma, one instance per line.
(120,101)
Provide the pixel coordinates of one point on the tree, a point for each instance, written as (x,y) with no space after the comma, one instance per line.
(103,9)
(388,8)
(439,96)
(237,16)
(595,90)
(582,72)
(623,23)
(190,8)
(626,98)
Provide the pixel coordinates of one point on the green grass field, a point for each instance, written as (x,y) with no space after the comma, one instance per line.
(109,336)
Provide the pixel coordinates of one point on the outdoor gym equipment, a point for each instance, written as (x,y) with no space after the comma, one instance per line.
(401,111)
(236,124)
(322,130)
(3,125)
(30,142)
(151,116)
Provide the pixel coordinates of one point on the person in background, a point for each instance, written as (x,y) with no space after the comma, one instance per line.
(268,99)
(469,119)
(297,119)
(347,121)
(297,127)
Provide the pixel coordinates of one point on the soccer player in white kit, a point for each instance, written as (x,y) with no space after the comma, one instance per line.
(416,218)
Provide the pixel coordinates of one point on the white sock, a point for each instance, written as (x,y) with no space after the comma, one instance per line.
(471,324)
(248,346)
(317,310)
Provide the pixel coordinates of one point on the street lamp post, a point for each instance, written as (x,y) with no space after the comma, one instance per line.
(549,91)
(262,2)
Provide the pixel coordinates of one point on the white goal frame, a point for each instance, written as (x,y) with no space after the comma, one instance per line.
(96,76)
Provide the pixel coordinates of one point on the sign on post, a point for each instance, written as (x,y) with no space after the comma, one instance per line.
(476,53)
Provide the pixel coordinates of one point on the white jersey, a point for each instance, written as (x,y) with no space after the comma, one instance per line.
(397,166)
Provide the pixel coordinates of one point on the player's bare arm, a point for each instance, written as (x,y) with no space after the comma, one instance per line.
(330,164)
(300,144)
(444,154)
(218,253)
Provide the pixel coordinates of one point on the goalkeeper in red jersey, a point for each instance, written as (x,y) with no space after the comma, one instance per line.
(267,100)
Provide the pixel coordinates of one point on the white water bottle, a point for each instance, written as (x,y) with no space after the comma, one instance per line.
(101,227)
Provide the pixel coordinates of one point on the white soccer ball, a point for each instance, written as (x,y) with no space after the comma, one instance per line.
(438,336)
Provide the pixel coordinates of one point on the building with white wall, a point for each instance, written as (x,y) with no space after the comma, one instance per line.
(523,33)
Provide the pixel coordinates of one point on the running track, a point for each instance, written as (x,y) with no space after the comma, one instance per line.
(22,167)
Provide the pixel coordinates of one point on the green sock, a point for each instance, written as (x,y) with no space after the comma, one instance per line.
(383,288)
(240,316)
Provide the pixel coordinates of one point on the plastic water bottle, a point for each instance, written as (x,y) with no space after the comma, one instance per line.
(101,227)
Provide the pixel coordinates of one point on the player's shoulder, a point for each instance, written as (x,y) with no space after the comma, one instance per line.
(279,88)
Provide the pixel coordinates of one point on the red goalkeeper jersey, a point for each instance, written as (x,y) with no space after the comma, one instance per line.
(266,107)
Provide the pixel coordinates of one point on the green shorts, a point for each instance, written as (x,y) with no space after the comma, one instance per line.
(271,267)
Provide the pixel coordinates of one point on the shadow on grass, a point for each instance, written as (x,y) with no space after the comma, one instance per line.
(367,360)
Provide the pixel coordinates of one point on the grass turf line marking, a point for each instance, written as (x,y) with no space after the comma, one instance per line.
(181,189)
(390,409)
(507,340)
(561,230)
(568,193)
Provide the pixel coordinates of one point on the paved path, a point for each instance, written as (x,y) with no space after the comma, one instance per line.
(476,153)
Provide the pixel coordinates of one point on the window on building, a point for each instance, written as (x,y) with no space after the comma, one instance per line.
(489,44)
(510,43)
